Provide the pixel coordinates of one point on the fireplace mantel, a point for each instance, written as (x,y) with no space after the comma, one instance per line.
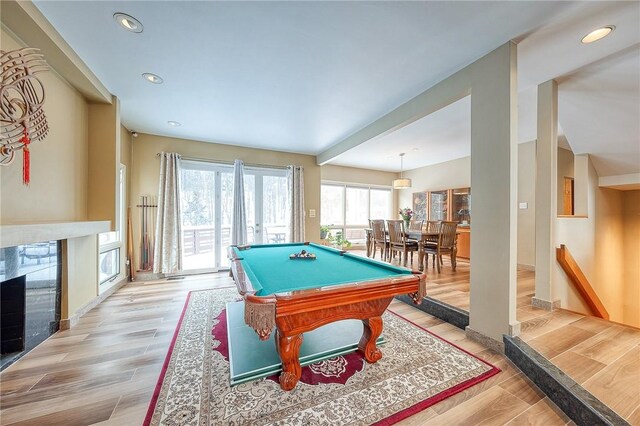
(28,233)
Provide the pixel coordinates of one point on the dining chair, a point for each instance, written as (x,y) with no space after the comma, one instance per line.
(398,241)
(379,239)
(416,225)
(446,244)
(433,228)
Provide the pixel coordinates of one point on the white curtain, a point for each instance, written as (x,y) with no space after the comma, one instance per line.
(168,245)
(295,182)
(239,217)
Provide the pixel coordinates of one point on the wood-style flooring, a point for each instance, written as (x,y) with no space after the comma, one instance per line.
(602,356)
(104,370)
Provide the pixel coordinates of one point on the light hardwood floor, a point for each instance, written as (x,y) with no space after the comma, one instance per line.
(104,370)
(602,356)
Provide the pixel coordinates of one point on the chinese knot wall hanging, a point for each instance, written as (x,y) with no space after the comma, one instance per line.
(21,99)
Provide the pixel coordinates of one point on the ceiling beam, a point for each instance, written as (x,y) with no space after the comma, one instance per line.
(24,20)
(431,100)
(628,182)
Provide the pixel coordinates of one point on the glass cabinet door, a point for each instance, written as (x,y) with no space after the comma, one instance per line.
(461,206)
(438,205)
(420,205)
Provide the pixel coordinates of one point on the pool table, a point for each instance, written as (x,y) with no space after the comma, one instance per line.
(299,295)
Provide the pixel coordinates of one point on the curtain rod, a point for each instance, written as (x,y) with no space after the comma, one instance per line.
(227,162)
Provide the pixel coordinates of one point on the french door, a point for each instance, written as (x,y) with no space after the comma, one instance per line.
(207,209)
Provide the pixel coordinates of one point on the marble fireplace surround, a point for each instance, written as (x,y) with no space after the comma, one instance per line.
(75,237)
(29,233)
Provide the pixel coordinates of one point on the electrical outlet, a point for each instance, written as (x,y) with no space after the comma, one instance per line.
(523,206)
(312,212)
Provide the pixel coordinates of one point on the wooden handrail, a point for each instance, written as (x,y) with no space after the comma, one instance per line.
(580,282)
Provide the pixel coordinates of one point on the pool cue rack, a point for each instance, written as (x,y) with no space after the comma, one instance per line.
(148,204)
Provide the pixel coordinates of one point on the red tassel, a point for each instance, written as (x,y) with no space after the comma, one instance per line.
(26,166)
(26,158)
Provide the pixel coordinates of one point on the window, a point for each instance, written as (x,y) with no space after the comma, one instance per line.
(347,209)
(108,265)
(111,243)
(332,204)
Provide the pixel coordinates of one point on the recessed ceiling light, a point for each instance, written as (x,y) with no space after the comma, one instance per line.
(416,149)
(173,123)
(598,34)
(128,22)
(152,78)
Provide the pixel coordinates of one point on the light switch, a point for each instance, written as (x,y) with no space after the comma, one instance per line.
(524,206)
(312,212)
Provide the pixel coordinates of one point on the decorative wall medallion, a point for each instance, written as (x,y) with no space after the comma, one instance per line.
(22,117)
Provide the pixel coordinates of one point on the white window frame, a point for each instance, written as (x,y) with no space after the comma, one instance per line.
(120,231)
(344,227)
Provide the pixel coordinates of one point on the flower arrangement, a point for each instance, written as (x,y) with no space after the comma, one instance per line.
(406,213)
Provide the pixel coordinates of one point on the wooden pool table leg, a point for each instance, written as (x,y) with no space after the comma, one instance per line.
(367,345)
(289,348)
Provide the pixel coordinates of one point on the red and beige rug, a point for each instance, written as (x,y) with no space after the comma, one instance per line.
(417,370)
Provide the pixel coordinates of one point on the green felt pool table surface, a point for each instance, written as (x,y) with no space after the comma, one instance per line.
(271,271)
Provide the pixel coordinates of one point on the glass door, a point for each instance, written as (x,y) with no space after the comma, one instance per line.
(199,204)
(207,209)
(274,207)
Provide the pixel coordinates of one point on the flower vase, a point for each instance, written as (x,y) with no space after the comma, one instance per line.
(406,224)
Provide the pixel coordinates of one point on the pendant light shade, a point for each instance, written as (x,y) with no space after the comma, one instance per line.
(401,182)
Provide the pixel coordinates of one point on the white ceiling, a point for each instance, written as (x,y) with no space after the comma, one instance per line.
(599,103)
(302,76)
(442,136)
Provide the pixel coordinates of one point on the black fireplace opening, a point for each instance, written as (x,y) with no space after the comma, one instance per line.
(30,297)
(12,315)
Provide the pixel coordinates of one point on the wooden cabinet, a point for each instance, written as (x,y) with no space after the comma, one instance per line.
(464,242)
(447,204)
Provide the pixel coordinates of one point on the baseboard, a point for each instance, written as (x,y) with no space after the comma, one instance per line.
(484,340)
(526,267)
(576,402)
(67,323)
(545,304)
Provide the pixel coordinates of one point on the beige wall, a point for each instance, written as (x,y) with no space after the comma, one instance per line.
(104,158)
(59,183)
(527,194)
(145,170)
(125,159)
(606,249)
(450,174)
(356,175)
(81,265)
(565,169)
(457,174)
(631,257)
(58,190)
(609,251)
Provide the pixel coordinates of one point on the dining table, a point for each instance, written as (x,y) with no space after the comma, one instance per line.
(421,236)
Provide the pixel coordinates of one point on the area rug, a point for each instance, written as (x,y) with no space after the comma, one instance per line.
(417,370)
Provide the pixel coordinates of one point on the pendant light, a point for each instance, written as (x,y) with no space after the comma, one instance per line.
(401,183)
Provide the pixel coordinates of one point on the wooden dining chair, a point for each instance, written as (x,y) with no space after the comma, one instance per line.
(433,227)
(416,225)
(398,241)
(379,239)
(446,244)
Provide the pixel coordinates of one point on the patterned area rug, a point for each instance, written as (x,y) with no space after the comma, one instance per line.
(417,370)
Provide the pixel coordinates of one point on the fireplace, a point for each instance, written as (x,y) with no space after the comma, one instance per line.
(30,291)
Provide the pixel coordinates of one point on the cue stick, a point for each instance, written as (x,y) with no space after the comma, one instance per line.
(132,274)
